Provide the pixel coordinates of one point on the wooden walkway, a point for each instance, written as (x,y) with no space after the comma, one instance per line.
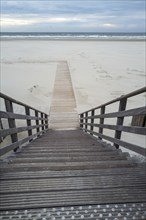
(63,114)
(66,173)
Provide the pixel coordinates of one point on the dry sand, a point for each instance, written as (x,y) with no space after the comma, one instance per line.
(100,71)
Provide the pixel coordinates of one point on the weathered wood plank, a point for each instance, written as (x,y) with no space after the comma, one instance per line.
(74,183)
(137,92)
(5,97)
(37,123)
(67,154)
(12,146)
(139,120)
(75,197)
(10,131)
(132,147)
(68,158)
(11,121)
(102,111)
(42,121)
(120,120)
(67,166)
(92,121)
(18,116)
(131,171)
(62,112)
(135,111)
(27,111)
(129,129)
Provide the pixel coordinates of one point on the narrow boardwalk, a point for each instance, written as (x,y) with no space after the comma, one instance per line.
(63,114)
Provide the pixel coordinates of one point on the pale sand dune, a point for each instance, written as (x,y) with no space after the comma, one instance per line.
(100,71)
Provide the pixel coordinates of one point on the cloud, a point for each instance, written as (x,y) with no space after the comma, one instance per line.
(109,25)
(63,19)
(29,21)
(78,15)
(16,22)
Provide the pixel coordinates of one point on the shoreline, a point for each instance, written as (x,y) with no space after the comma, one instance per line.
(66,39)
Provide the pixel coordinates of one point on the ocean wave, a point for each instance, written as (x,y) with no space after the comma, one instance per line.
(96,36)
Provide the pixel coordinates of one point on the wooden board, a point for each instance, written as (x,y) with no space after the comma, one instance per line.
(63,114)
(69,168)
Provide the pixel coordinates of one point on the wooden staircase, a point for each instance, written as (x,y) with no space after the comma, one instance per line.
(67,173)
(67,169)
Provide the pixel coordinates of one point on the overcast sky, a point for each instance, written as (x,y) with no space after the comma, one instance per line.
(73,15)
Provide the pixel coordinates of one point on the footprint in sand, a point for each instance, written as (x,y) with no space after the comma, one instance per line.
(82,55)
(135,72)
(105,76)
(38,90)
(82,98)
(117,93)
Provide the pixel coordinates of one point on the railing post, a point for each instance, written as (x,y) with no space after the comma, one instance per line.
(101,122)
(46,121)
(81,120)
(37,122)
(86,121)
(1,128)
(11,122)
(92,121)
(120,120)
(42,121)
(27,111)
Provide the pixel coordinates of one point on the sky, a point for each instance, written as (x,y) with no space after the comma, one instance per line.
(73,15)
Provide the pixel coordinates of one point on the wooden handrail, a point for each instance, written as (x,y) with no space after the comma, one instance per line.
(40,118)
(129,95)
(87,122)
(131,112)
(5,97)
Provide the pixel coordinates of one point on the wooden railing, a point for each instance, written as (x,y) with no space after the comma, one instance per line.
(87,122)
(36,123)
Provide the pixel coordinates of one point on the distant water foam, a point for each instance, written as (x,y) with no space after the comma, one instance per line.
(62,35)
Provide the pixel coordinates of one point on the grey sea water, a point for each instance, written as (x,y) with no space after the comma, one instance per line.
(74,35)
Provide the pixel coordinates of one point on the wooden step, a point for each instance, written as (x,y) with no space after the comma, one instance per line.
(72,197)
(72,183)
(69,168)
(137,170)
(67,159)
(66,165)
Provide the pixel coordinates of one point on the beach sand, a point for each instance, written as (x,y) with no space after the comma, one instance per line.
(100,71)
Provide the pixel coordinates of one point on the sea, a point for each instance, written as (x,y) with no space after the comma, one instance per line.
(73,36)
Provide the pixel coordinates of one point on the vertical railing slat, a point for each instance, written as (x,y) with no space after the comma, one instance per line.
(102,111)
(46,121)
(86,121)
(11,121)
(37,122)
(92,121)
(120,120)
(14,129)
(81,121)
(28,121)
(42,121)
